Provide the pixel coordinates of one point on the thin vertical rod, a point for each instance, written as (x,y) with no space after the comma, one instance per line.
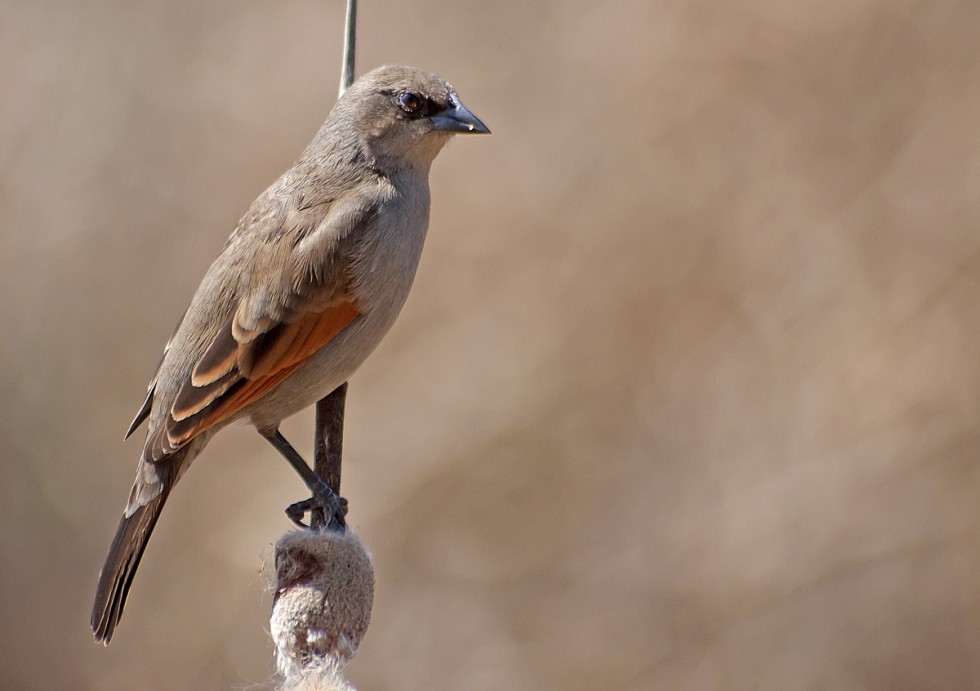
(328,448)
(350,46)
(329,433)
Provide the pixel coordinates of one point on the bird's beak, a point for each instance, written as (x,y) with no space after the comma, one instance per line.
(458,118)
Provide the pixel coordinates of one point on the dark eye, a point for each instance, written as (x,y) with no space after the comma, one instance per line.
(409,102)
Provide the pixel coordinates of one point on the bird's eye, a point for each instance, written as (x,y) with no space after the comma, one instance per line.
(409,102)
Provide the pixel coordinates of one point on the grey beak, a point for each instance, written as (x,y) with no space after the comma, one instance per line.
(458,118)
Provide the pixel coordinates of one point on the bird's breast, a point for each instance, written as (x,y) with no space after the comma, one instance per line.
(382,271)
(388,254)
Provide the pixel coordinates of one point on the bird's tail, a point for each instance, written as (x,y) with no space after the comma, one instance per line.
(123,560)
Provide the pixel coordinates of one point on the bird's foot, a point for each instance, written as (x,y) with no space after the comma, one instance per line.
(323,503)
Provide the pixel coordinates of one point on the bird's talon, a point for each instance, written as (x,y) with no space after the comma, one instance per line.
(328,502)
(297,510)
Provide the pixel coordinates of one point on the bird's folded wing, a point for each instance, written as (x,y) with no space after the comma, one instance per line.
(144,411)
(299,299)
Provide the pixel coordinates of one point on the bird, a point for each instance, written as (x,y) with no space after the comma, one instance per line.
(307,285)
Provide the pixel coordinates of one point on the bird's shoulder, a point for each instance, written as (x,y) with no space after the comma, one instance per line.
(306,199)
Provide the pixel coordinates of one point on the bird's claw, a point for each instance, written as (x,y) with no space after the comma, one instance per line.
(328,502)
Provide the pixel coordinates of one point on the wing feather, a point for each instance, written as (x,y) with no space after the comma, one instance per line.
(144,411)
(281,319)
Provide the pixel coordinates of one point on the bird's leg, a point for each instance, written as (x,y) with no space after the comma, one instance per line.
(323,497)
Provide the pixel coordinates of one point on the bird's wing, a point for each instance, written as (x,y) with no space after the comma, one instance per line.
(298,297)
(144,411)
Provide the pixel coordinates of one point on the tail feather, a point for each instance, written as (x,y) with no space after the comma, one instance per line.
(121,564)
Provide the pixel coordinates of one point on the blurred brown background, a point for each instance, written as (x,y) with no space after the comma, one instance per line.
(686,396)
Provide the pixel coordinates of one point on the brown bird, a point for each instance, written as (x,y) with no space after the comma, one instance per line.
(306,287)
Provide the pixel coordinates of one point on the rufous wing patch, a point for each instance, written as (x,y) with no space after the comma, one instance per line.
(218,359)
(258,366)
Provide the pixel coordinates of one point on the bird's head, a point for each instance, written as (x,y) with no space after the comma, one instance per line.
(404,115)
